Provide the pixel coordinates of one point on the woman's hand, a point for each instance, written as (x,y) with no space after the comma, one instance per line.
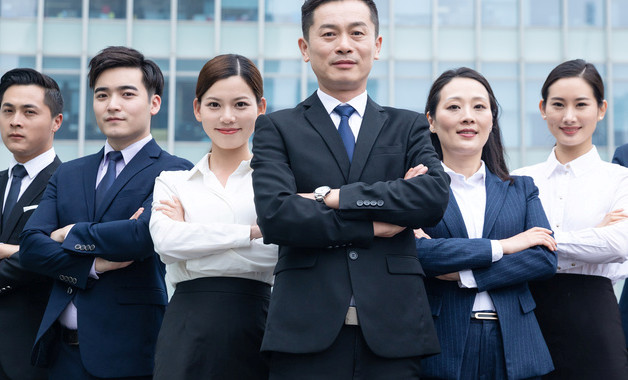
(256,233)
(415,171)
(455,276)
(530,238)
(419,233)
(613,217)
(172,209)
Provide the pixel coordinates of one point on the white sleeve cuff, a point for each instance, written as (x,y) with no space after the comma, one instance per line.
(497,250)
(467,280)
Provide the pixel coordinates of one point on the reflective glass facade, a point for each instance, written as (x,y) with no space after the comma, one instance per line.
(515,43)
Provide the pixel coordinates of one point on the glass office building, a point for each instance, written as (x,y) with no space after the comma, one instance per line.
(514,43)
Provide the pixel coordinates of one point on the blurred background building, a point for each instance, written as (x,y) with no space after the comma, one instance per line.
(515,43)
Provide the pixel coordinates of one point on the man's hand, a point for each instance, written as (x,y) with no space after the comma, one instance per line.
(137,213)
(530,238)
(455,276)
(332,200)
(613,217)
(6,250)
(419,233)
(255,232)
(172,209)
(59,235)
(101,265)
(415,171)
(386,230)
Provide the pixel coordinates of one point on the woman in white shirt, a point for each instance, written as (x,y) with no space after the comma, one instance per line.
(492,240)
(583,197)
(204,229)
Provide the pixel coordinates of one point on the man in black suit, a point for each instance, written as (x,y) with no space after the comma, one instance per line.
(348,300)
(30,113)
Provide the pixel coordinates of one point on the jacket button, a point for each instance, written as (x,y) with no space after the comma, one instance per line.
(380,203)
(353,255)
(69,291)
(77,246)
(359,202)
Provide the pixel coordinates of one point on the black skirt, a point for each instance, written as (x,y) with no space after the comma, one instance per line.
(213,329)
(580,321)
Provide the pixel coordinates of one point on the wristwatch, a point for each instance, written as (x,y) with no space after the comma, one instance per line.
(321,192)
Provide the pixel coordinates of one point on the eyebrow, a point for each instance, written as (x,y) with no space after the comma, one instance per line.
(334,26)
(563,99)
(236,99)
(7,104)
(474,98)
(119,88)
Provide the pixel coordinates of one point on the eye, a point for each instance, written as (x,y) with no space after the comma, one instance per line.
(7,110)
(453,107)
(213,105)
(241,104)
(357,33)
(582,104)
(100,95)
(128,94)
(480,107)
(557,104)
(30,112)
(328,34)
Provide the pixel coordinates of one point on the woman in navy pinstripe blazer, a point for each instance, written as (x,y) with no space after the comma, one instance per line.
(493,239)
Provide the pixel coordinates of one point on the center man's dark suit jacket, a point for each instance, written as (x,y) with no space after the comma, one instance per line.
(119,314)
(327,255)
(510,210)
(621,157)
(23,294)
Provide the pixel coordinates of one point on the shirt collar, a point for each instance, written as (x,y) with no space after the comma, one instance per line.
(329,102)
(202,167)
(578,167)
(35,165)
(130,151)
(479,177)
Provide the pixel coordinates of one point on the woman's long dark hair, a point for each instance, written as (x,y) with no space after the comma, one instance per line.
(493,150)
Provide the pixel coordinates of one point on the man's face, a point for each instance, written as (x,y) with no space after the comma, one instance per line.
(26,123)
(123,107)
(341,47)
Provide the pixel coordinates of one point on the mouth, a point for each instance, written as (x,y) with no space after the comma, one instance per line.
(344,63)
(228,131)
(113,119)
(467,132)
(570,130)
(15,136)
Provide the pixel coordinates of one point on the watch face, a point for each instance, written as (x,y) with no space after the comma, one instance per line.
(321,192)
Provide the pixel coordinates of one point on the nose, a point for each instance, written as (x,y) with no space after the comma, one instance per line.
(227,116)
(344,44)
(114,103)
(467,116)
(570,115)
(16,120)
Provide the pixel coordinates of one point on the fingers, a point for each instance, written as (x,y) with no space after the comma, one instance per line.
(415,171)
(137,213)
(419,233)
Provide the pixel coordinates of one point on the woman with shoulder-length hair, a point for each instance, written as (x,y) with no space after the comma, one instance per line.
(204,229)
(492,240)
(584,198)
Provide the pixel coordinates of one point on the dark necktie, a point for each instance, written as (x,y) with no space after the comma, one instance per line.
(105,183)
(346,135)
(16,184)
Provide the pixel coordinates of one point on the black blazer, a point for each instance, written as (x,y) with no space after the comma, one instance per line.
(23,294)
(327,255)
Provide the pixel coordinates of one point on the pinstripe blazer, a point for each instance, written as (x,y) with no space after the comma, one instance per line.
(510,209)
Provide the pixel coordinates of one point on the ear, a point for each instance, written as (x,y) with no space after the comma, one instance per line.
(261,107)
(155,104)
(197,110)
(431,121)
(542,109)
(56,122)
(378,47)
(602,110)
(303,46)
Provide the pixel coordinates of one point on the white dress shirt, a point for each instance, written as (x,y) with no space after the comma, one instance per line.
(214,240)
(576,197)
(33,167)
(470,194)
(358,103)
(68,317)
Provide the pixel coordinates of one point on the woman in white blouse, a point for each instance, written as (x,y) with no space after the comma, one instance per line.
(584,198)
(204,229)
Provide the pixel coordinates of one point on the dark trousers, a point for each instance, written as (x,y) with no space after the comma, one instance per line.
(213,329)
(349,357)
(580,321)
(68,365)
(623,308)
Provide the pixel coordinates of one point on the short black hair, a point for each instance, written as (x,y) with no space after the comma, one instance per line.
(121,56)
(25,77)
(309,6)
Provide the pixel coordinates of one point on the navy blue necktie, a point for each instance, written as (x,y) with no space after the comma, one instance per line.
(105,183)
(346,135)
(16,184)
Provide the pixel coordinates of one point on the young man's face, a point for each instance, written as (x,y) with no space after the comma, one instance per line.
(341,46)
(123,107)
(26,123)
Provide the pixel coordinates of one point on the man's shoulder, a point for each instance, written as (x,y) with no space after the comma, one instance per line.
(172,162)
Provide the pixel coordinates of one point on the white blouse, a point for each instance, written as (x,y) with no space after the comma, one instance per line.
(576,197)
(214,240)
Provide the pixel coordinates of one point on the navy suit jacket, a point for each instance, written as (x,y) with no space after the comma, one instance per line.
(23,294)
(326,255)
(119,315)
(621,157)
(510,210)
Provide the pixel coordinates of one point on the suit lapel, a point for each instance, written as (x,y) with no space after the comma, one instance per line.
(90,172)
(4,179)
(453,218)
(142,159)
(496,190)
(374,119)
(318,117)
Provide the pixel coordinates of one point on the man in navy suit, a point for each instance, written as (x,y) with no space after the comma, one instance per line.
(348,300)
(621,157)
(90,234)
(31,109)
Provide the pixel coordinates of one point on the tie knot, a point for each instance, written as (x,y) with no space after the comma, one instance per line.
(19,171)
(344,111)
(114,155)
